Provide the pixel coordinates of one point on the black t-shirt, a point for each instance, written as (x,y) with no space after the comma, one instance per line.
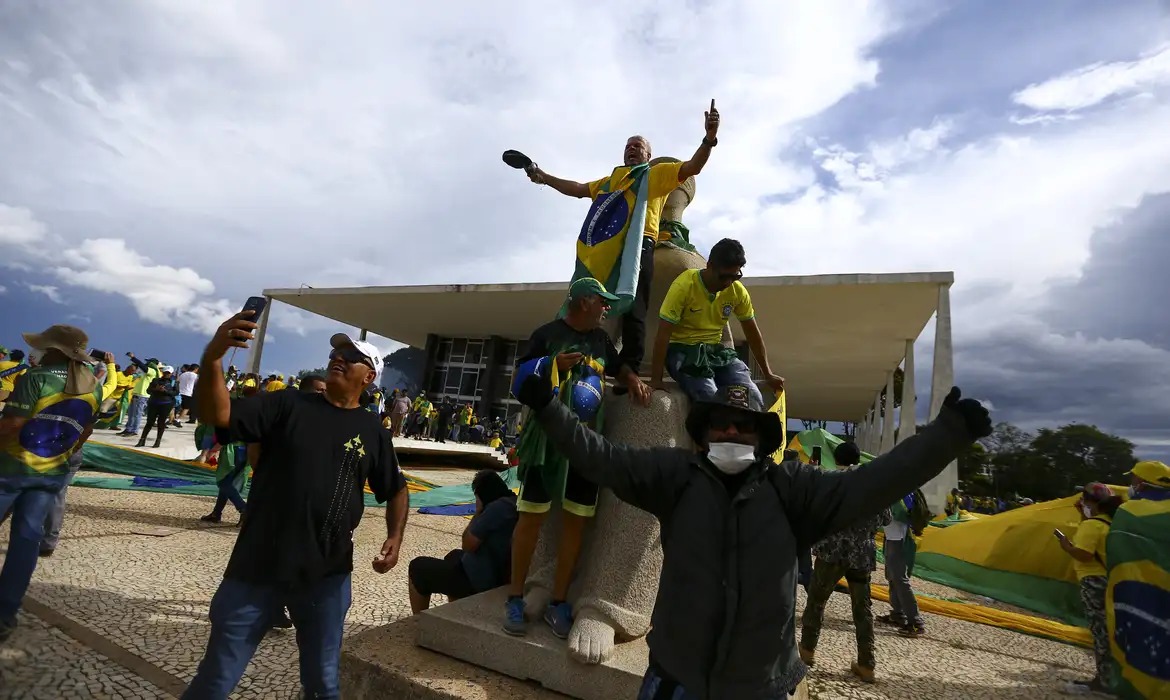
(307,491)
(557,336)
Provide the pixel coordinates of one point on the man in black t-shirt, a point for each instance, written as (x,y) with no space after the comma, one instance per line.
(295,548)
(574,354)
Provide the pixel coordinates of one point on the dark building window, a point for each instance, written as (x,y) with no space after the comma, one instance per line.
(461,372)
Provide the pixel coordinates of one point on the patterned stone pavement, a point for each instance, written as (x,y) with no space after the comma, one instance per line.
(120,611)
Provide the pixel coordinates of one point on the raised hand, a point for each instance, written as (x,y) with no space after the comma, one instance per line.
(232,333)
(975,416)
(711,121)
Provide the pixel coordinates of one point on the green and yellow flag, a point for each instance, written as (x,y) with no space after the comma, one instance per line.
(1137,600)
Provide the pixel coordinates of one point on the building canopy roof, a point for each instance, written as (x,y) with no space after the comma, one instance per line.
(833,337)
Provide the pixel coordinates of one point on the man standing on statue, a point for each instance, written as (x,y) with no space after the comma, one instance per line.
(629,199)
(572,355)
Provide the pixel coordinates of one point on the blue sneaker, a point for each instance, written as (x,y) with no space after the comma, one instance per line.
(559,617)
(514,623)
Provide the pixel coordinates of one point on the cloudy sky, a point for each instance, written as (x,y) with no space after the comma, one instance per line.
(161,161)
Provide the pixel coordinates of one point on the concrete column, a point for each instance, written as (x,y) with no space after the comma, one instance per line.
(431,349)
(941,380)
(863,428)
(859,433)
(907,415)
(888,418)
(362,335)
(258,341)
(492,360)
(875,436)
(943,374)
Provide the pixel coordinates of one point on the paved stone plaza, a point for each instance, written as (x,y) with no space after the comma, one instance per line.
(120,611)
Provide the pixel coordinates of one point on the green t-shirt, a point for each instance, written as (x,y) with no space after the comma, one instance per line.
(55,423)
(144,379)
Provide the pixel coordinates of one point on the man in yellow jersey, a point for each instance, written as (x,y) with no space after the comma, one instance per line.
(12,366)
(629,199)
(690,329)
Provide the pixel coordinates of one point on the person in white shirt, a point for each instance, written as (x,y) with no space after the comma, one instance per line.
(187,382)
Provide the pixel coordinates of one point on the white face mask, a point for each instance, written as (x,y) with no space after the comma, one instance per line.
(1132,491)
(1086,510)
(731,457)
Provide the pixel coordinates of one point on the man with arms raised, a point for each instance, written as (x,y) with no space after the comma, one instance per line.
(295,548)
(628,201)
(732,523)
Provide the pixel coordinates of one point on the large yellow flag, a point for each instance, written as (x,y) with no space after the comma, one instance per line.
(781,407)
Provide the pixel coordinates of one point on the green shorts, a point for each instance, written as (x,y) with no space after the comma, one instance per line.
(579,498)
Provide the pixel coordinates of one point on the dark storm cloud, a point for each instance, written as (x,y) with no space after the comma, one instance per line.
(1124,291)
(1098,351)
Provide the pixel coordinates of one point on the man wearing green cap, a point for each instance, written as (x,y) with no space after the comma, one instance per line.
(573,354)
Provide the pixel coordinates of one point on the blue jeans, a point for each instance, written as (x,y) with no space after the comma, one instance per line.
(56,514)
(705,388)
(137,410)
(242,612)
(655,687)
(30,499)
(229,492)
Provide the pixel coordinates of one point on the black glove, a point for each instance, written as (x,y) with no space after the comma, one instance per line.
(536,392)
(975,416)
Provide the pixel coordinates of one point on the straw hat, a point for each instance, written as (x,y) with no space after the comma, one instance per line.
(69,340)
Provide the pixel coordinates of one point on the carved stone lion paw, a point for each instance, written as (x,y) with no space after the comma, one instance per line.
(591,640)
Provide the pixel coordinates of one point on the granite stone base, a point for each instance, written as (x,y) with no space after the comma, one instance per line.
(470,629)
(385,663)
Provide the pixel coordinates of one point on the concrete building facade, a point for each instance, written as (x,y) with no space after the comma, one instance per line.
(837,339)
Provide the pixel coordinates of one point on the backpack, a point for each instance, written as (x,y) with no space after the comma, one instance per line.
(920,515)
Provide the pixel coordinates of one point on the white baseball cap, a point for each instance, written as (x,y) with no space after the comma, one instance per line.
(340,340)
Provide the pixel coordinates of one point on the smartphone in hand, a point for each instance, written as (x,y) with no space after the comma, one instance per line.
(1057,534)
(255,304)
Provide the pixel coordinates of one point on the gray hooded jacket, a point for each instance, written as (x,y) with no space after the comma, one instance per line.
(723,622)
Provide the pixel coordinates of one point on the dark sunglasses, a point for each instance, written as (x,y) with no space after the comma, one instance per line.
(722,420)
(731,276)
(350,355)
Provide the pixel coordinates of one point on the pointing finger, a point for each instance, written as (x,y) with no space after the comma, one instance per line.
(712,104)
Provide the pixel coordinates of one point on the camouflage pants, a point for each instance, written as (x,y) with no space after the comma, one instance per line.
(824,578)
(1093,598)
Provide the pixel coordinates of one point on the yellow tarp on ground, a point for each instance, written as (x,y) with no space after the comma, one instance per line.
(1011,557)
(983,615)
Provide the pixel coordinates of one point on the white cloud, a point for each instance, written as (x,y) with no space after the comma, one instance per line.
(197,152)
(177,297)
(1093,84)
(3,289)
(18,227)
(48,290)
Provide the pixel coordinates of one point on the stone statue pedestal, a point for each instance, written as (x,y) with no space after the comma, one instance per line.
(470,630)
(385,662)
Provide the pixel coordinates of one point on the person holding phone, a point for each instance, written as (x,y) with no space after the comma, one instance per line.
(623,221)
(295,547)
(1095,508)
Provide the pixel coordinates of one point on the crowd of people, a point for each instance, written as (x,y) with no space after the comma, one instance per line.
(441,420)
(735,523)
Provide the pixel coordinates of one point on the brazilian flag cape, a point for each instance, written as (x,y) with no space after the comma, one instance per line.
(534,450)
(609,247)
(1137,599)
